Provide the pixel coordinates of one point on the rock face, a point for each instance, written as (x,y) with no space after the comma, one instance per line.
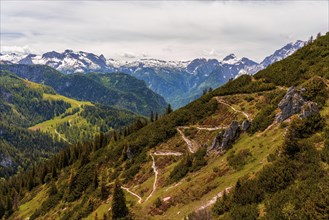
(217,141)
(308,109)
(129,153)
(230,135)
(226,138)
(245,125)
(5,161)
(291,104)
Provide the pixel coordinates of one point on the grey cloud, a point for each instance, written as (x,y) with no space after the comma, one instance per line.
(11,35)
(166,29)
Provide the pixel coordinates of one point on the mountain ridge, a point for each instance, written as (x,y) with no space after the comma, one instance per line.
(116,89)
(163,77)
(266,170)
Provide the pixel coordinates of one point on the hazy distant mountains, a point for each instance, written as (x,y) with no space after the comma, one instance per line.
(116,89)
(179,82)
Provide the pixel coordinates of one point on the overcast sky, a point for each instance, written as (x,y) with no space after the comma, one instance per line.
(160,29)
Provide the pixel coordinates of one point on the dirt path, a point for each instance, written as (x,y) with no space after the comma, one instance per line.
(188,142)
(60,136)
(171,153)
(211,129)
(170,187)
(134,194)
(219,100)
(155,170)
(214,199)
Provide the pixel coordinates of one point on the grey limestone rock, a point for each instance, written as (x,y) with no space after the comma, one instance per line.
(129,153)
(230,135)
(217,141)
(226,138)
(245,125)
(291,104)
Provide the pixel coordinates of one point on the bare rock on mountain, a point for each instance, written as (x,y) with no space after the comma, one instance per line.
(226,138)
(230,135)
(129,153)
(217,141)
(291,104)
(245,125)
(5,161)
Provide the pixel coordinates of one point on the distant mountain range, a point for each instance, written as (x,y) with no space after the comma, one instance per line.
(116,89)
(179,82)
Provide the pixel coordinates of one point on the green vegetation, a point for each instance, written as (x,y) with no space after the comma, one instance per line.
(239,159)
(53,121)
(315,90)
(114,89)
(268,173)
(119,208)
(23,103)
(307,62)
(295,176)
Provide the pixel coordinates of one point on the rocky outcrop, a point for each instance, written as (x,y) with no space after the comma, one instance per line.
(129,153)
(226,138)
(291,104)
(245,125)
(5,161)
(217,141)
(230,135)
(308,109)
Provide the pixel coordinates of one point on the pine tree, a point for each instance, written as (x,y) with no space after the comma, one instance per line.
(104,191)
(95,180)
(156,116)
(53,189)
(152,116)
(169,109)
(54,172)
(9,206)
(119,208)
(2,209)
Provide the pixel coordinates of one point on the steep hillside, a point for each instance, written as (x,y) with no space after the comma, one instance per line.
(28,108)
(22,105)
(247,150)
(117,89)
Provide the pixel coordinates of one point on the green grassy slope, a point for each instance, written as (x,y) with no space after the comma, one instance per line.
(58,120)
(257,160)
(114,89)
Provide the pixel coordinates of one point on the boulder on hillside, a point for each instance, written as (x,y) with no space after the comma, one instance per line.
(230,135)
(6,161)
(226,138)
(245,125)
(217,141)
(308,109)
(129,153)
(291,104)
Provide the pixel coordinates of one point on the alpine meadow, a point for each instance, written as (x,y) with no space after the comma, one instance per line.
(157,126)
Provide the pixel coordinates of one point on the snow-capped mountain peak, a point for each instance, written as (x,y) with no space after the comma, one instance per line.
(230,59)
(282,53)
(70,61)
